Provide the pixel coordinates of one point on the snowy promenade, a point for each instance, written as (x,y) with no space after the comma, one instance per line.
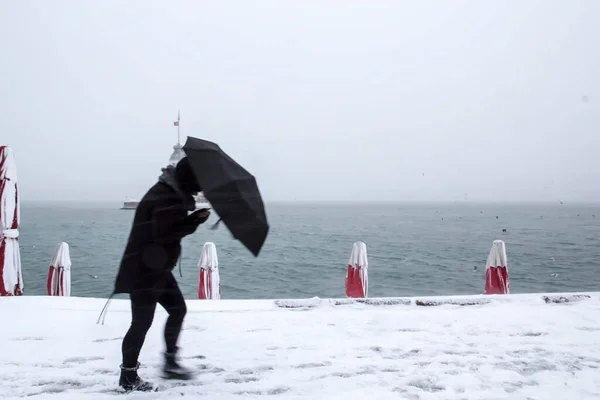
(512,347)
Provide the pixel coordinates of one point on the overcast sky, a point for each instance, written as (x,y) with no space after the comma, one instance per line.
(322,100)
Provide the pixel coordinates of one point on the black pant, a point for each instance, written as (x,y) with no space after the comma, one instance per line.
(143,305)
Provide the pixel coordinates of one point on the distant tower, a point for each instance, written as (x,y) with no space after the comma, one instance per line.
(178,153)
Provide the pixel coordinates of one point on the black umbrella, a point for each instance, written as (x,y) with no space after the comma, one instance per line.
(231,190)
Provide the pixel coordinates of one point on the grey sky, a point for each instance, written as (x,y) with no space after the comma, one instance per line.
(330,100)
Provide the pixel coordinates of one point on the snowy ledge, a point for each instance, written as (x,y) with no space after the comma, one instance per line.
(441,300)
(87,303)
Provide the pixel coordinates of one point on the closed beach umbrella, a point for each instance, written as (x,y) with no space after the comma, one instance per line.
(11,280)
(209,286)
(59,274)
(357,277)
(496,271)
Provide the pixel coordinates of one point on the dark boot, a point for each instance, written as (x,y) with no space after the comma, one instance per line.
(173,370)
(130,380)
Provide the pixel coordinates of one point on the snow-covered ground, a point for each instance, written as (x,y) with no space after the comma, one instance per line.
(505,347)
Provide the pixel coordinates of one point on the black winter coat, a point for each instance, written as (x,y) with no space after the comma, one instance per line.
(161,220)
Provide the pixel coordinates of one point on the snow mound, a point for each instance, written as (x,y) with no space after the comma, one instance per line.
(566,298)
(454,302)
(298,303)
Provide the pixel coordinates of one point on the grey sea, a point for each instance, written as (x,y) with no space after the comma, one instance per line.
(413,249)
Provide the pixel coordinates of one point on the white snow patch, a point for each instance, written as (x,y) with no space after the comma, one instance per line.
(514,347)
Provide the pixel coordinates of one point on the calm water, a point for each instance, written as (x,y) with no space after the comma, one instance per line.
(412,249)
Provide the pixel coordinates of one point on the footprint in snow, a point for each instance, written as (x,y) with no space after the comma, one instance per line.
(342,374)
(427,385)
(244,379)
(106,339)
(195,328)
(81,360)
(587,328)
(312,365)
(531,334)
(269,392)
(207,369)
(197,357)
(248,371)
(64,383)
(54,387)
(105,371)
(27,338)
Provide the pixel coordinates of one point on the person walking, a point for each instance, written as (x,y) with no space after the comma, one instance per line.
(161,221)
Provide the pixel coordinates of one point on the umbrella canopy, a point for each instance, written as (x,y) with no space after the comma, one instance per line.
(11,280)
(357,277)
(496,273)
(209,287)
(231,190)
(59,273)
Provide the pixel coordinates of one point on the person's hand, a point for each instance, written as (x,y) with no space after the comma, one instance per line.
(202,215)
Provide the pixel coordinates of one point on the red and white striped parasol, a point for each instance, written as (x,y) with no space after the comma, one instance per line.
(59,273)
(209,286)
(357,277)
(496,272)
(11,280)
